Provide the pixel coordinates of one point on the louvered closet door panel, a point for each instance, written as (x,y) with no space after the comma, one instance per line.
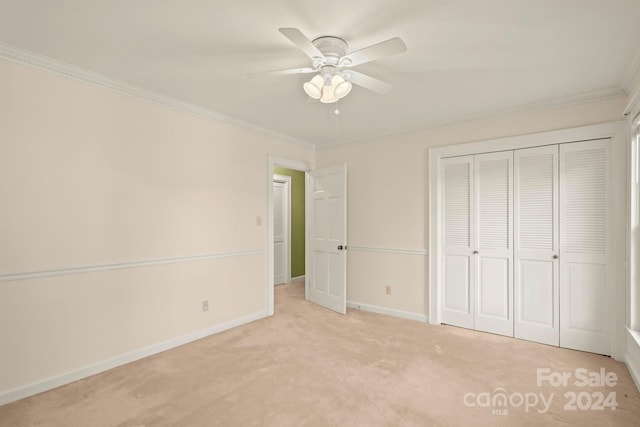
(536,273)
(457,234)
(494,231)
(584,210)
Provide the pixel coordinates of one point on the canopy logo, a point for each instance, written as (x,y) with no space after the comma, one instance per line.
(500,401)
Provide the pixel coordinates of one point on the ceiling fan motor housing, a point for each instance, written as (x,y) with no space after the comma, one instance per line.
(333,48)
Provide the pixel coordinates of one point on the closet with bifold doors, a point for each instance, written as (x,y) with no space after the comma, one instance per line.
(525,243)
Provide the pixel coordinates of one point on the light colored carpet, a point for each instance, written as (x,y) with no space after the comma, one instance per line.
(308,366)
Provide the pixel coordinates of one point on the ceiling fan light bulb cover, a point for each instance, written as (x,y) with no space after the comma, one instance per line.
(313,88)
(328,95)
(341,87)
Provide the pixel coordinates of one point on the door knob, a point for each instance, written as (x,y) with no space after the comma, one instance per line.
(555,257)
(340,247)
(475,252)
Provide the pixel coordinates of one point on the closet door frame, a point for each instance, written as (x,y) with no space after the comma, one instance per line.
(618,133)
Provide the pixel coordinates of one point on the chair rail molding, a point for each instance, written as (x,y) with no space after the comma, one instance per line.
(121,265)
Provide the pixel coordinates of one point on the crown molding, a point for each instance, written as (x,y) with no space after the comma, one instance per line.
(35,60)
(631,77)
(568,101)
(41,62)
(631,85)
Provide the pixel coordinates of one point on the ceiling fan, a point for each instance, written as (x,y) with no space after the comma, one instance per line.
(333,65)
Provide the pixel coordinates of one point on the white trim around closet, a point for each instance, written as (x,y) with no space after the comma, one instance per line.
(617,132)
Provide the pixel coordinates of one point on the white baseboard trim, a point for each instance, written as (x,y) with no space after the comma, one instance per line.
(293,279)
(54,382)
(388,311)
(632,355)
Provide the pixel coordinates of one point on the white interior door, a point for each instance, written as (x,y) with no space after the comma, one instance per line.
(585,209)
(327,269)
(458,270)
(493,254)
(536,278)
(281,234)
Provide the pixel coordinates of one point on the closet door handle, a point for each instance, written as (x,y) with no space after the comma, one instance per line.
(475,252)
(555,257)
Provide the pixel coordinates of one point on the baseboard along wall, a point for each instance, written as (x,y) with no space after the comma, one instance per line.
(388,311)
(632,355)
(69,377)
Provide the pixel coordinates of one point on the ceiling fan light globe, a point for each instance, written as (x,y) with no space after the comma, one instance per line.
(328,95)
(341,88)
(313,88)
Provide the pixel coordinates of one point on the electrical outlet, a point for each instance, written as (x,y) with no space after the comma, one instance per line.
(387,289)
(205,305)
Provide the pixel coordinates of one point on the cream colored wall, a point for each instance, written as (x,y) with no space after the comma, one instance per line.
(92,177)
(388,193)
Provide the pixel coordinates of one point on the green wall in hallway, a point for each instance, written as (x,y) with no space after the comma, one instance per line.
(297,219)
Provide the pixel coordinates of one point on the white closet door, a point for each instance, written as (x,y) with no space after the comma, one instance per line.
(493,255)
(584,205)
(536,274)
(457,226)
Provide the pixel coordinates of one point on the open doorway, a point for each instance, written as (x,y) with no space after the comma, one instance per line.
(287,242)
(288,235)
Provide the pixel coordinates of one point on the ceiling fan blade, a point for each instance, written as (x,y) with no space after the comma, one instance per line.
(367,82)
(302,42)
(306,70)
(373,52)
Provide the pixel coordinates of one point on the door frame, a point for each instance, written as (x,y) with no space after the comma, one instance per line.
(284,179)
(273,161)
(617,132)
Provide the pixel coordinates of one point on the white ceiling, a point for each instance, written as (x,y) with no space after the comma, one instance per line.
(466,59)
